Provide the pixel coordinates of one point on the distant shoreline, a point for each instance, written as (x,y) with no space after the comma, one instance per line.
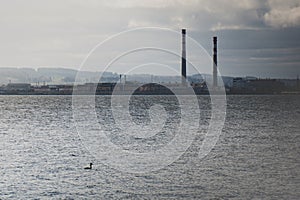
(145,94)
(239,87)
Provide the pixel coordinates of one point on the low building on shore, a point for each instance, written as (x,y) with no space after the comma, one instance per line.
(18,87)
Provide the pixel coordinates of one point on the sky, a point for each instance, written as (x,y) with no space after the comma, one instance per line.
(255,37)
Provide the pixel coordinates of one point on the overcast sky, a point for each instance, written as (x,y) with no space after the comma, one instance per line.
(260,38)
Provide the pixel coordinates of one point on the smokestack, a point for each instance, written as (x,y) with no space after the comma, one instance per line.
(183,59)
(215,63)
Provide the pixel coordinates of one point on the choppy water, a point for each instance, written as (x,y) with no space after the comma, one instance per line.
(256,157)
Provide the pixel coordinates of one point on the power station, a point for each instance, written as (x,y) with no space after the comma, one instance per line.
(183,60)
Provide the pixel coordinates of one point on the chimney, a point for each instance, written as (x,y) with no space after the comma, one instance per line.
(215,63)
(183,59)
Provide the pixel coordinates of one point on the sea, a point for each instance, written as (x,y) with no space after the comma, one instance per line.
(256,155)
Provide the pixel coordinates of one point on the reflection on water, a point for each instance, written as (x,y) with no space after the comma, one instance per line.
(257,155)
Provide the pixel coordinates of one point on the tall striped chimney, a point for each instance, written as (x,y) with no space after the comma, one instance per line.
(215,63)
(183,58)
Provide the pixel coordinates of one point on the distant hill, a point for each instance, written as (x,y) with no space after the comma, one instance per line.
(67,76)
(23,75)
(48,75)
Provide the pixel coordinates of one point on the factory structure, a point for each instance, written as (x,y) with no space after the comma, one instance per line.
(239,85)
(183,61)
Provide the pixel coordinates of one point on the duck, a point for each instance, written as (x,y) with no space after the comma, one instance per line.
(90,167)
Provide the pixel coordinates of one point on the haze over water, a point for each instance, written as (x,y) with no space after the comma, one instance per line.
(256,156)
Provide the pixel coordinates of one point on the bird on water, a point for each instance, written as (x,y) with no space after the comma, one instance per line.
(90,167)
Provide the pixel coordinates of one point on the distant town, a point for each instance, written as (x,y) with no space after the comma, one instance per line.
(239,85)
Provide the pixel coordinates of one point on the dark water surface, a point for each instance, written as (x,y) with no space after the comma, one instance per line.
(256,156)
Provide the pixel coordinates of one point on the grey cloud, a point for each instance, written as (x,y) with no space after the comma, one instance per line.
(283,14)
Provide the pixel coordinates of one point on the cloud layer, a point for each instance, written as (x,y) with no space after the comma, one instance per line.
(55,33)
